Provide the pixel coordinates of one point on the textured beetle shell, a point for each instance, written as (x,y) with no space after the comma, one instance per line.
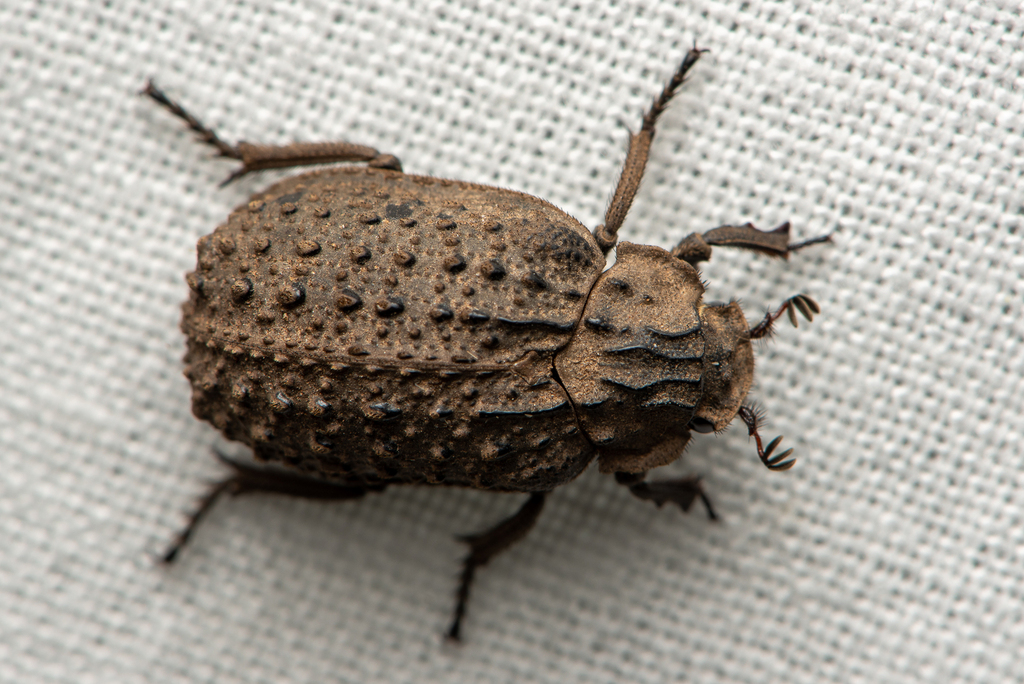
(362,325)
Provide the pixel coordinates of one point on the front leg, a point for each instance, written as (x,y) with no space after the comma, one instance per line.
(682,492)
(696,247)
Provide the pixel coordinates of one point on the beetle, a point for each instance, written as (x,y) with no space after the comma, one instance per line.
(365,327)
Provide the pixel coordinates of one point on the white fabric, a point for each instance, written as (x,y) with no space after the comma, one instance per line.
(893,552)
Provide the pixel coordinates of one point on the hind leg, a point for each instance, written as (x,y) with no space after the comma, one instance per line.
(246,479)
(257,157)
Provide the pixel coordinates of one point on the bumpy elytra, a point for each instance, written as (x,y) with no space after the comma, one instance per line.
(369,327)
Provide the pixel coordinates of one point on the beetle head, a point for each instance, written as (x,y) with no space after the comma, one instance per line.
(728,366)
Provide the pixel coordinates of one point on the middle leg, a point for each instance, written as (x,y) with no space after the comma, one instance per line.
(485,545)
(636,159)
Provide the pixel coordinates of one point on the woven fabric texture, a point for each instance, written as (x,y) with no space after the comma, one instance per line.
(893,552)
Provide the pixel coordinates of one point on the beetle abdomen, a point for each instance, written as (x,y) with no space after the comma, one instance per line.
(360,264)
(360,325)
(487,428)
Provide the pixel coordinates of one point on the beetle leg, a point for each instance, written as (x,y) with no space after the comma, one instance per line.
(485,545)
(696,247)
(247,479)
(683,491)
(801,302)
(636,158)
(258,157)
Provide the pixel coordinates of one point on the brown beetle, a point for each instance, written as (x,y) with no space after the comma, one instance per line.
(367,327)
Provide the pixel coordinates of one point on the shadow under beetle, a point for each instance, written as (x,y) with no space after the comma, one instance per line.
(367,327)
